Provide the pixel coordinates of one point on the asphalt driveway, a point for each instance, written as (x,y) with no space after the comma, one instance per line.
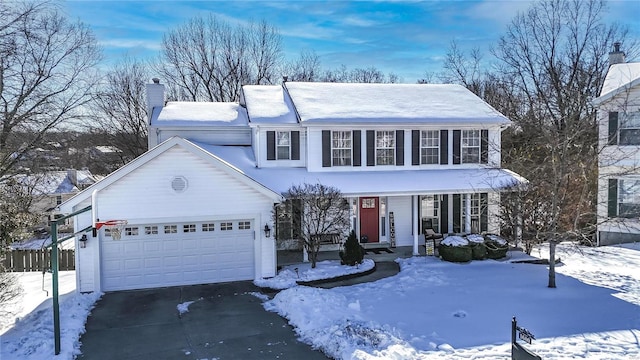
(223,322)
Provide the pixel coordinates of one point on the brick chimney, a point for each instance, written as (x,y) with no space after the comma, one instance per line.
(616,56)
(155,97)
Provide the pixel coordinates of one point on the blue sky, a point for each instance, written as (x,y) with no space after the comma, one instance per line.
(404,37)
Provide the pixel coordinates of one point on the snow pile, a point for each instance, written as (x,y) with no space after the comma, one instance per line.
(438,310)
(327,269)
(184,307)
(475,238)
(455,240)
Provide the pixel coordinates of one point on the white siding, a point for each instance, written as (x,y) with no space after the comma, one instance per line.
(212,136)
(261,151)
(401,208)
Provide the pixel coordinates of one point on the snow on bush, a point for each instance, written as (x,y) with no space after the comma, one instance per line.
(455,240)
(497,239)
(475,238)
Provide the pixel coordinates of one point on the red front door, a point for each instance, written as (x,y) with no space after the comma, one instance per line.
(369,219)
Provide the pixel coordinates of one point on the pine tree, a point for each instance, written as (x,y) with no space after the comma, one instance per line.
(353,253)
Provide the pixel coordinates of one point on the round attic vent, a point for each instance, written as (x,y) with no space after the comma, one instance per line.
(179,184)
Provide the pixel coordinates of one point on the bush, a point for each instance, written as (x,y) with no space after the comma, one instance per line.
(455,249)
(479,251)
(496,246)
(353,252)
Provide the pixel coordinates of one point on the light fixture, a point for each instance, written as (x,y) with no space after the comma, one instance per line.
(83,241)
(267,230)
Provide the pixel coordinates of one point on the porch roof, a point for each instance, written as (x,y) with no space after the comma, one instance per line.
(369,183)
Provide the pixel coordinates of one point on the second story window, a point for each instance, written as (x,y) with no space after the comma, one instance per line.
(385,147)
(470,146)
(283,146)
(630,129)
(341,148)
(430,147)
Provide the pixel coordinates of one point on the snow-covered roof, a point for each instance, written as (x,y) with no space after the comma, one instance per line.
(188,114)
(352,183)
(390,103)
(56,182)
(268,104)
(620,77)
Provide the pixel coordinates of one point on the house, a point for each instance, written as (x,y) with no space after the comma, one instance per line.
(199,203)
(618,113)
(50,188)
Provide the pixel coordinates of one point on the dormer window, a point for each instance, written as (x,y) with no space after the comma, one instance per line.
(283,145)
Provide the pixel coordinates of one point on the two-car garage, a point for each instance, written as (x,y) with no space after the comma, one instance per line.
(170,254)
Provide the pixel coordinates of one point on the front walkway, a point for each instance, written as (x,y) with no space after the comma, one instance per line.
(290,257)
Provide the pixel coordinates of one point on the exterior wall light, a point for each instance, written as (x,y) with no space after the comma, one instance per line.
(83,241)
(267,230)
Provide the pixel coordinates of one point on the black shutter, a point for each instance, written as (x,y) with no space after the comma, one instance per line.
(484,212)
(613,128)
(326,148)
(444,147)
(399,147)
(295,145)
(612,202)
(457,214)
(484,146)
(415,147)
(371,148)
(271,145)
(444,214)
(456,146)
(357,148)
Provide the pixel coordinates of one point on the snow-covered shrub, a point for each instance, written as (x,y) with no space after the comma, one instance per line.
(496,246)
(478,250)
(455,249)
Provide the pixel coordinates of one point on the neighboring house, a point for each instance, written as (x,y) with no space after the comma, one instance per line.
(619,160)
(406,157)
(49,189)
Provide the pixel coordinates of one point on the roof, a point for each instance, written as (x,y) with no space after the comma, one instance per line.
(68,205)
(56,182)
(390,103)
(356,183)
(188,114)
(268,104)
(620,77)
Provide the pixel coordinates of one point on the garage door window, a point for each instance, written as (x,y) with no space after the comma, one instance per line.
(208,227)
(170,229)
(226,226)
(189,228)
(244,225)
(131,231)
(150,230)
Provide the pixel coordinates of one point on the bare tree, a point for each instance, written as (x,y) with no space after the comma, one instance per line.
(120,108)
(324,212)
(207,59)
(305,68)
(46,75)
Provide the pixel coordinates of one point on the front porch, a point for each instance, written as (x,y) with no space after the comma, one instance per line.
(290,257)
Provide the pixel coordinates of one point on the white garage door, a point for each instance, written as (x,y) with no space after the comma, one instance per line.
(148,256)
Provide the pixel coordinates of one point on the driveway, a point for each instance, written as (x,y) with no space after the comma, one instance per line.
(224,322)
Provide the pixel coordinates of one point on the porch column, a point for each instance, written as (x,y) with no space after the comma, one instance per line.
(467,213)
(414,200)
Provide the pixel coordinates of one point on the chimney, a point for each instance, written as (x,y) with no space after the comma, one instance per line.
(155,97)
(72,174)
(285,78)
(616,56)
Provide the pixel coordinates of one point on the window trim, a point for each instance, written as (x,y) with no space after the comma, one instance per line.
(464,140)
(423,147)
(632,118)
(385,144)
(622,193)
(344,136)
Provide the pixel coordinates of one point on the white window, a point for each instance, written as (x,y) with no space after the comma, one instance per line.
(385,147)
(150,230)
(131,230)
(170,229)
(283,145)
(58,199)
(630,129)
(226,226)
(189,228)
(430,147)
(244,225)
(629,198)
(470,150)
(208,227)
(430,212)
(341,148)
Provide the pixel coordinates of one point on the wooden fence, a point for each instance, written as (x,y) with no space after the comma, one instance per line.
(37,260)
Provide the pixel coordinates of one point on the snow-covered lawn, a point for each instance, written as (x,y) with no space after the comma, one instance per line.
(438,310)
(27,333)
(430,310)
(328,269)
